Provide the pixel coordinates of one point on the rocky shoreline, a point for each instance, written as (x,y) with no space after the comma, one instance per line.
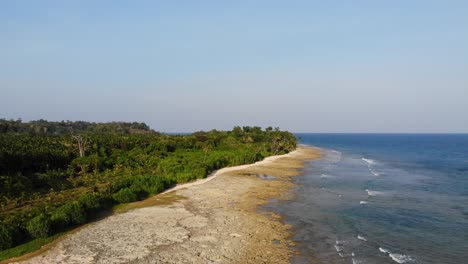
(213,222)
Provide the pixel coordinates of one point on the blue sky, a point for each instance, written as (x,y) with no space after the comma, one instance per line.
(306,66)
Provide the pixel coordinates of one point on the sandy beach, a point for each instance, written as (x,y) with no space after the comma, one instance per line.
(214,220)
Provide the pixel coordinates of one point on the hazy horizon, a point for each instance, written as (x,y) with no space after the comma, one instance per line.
(304,66)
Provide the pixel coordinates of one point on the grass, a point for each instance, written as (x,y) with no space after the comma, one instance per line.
(31,246)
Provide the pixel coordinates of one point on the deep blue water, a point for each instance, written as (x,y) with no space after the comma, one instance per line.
(382,198)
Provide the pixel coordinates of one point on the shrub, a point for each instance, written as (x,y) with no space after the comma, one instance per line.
(6,240)
(139,191)
(90,201)
(149,184)
(60,219)
(131,188)
(76,212)
(198,173)
(183,177)
(39,226)
(69,213)
(86,164)
(125,195)
(122,183)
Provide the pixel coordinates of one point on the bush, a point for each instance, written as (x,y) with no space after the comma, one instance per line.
(199,172)
(86,164)
(90,201)
(6,240)
(69,213)
(60,219)
(150,184)
(183,177)
(122,183)
(125,195)
(139,191)
(39,226)
(131,188)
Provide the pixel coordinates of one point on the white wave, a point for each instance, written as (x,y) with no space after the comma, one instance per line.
(338,248)
(370,167)
(373,193)
(355,261)
(369,161)
(383,250)
(352,254)
(361,238)
(400,258)
(363,202)
(325,176)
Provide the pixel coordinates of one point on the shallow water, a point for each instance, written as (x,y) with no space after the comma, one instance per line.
(266,177)
(382,199)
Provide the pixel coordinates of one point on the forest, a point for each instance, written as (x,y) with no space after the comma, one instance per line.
(55,176)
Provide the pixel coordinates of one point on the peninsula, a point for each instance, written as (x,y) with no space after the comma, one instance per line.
(120,167)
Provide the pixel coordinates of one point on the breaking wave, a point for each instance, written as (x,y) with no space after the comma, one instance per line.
(370,167)
(398,258)
(361,238)
(383,250)
(339,248)
(373,193)
(369,161)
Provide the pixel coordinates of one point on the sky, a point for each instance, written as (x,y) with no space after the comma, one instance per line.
(182,66)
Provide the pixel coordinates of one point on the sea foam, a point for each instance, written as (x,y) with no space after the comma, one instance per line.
(383,250)
(370,167)
(339,248)
(373,193)
(355,261)
(361,238)
(369,161)
(398,258)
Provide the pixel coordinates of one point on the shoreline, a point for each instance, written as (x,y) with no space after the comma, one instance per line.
(216,173)
(209,220)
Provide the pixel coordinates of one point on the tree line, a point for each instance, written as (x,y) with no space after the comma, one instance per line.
(56,178)
(44,127)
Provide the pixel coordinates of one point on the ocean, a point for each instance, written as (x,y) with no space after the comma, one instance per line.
(381,198)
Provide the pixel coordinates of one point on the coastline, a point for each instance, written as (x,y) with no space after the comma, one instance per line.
(211,220)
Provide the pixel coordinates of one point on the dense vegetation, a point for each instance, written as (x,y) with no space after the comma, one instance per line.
(47,186)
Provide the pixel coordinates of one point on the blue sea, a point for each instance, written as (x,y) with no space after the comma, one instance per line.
(382,198)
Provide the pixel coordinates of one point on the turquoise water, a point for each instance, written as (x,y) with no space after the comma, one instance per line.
(382,198)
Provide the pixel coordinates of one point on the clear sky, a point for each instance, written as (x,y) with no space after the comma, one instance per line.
(305,66)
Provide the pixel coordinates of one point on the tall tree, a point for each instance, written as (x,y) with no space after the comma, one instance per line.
(82,144)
